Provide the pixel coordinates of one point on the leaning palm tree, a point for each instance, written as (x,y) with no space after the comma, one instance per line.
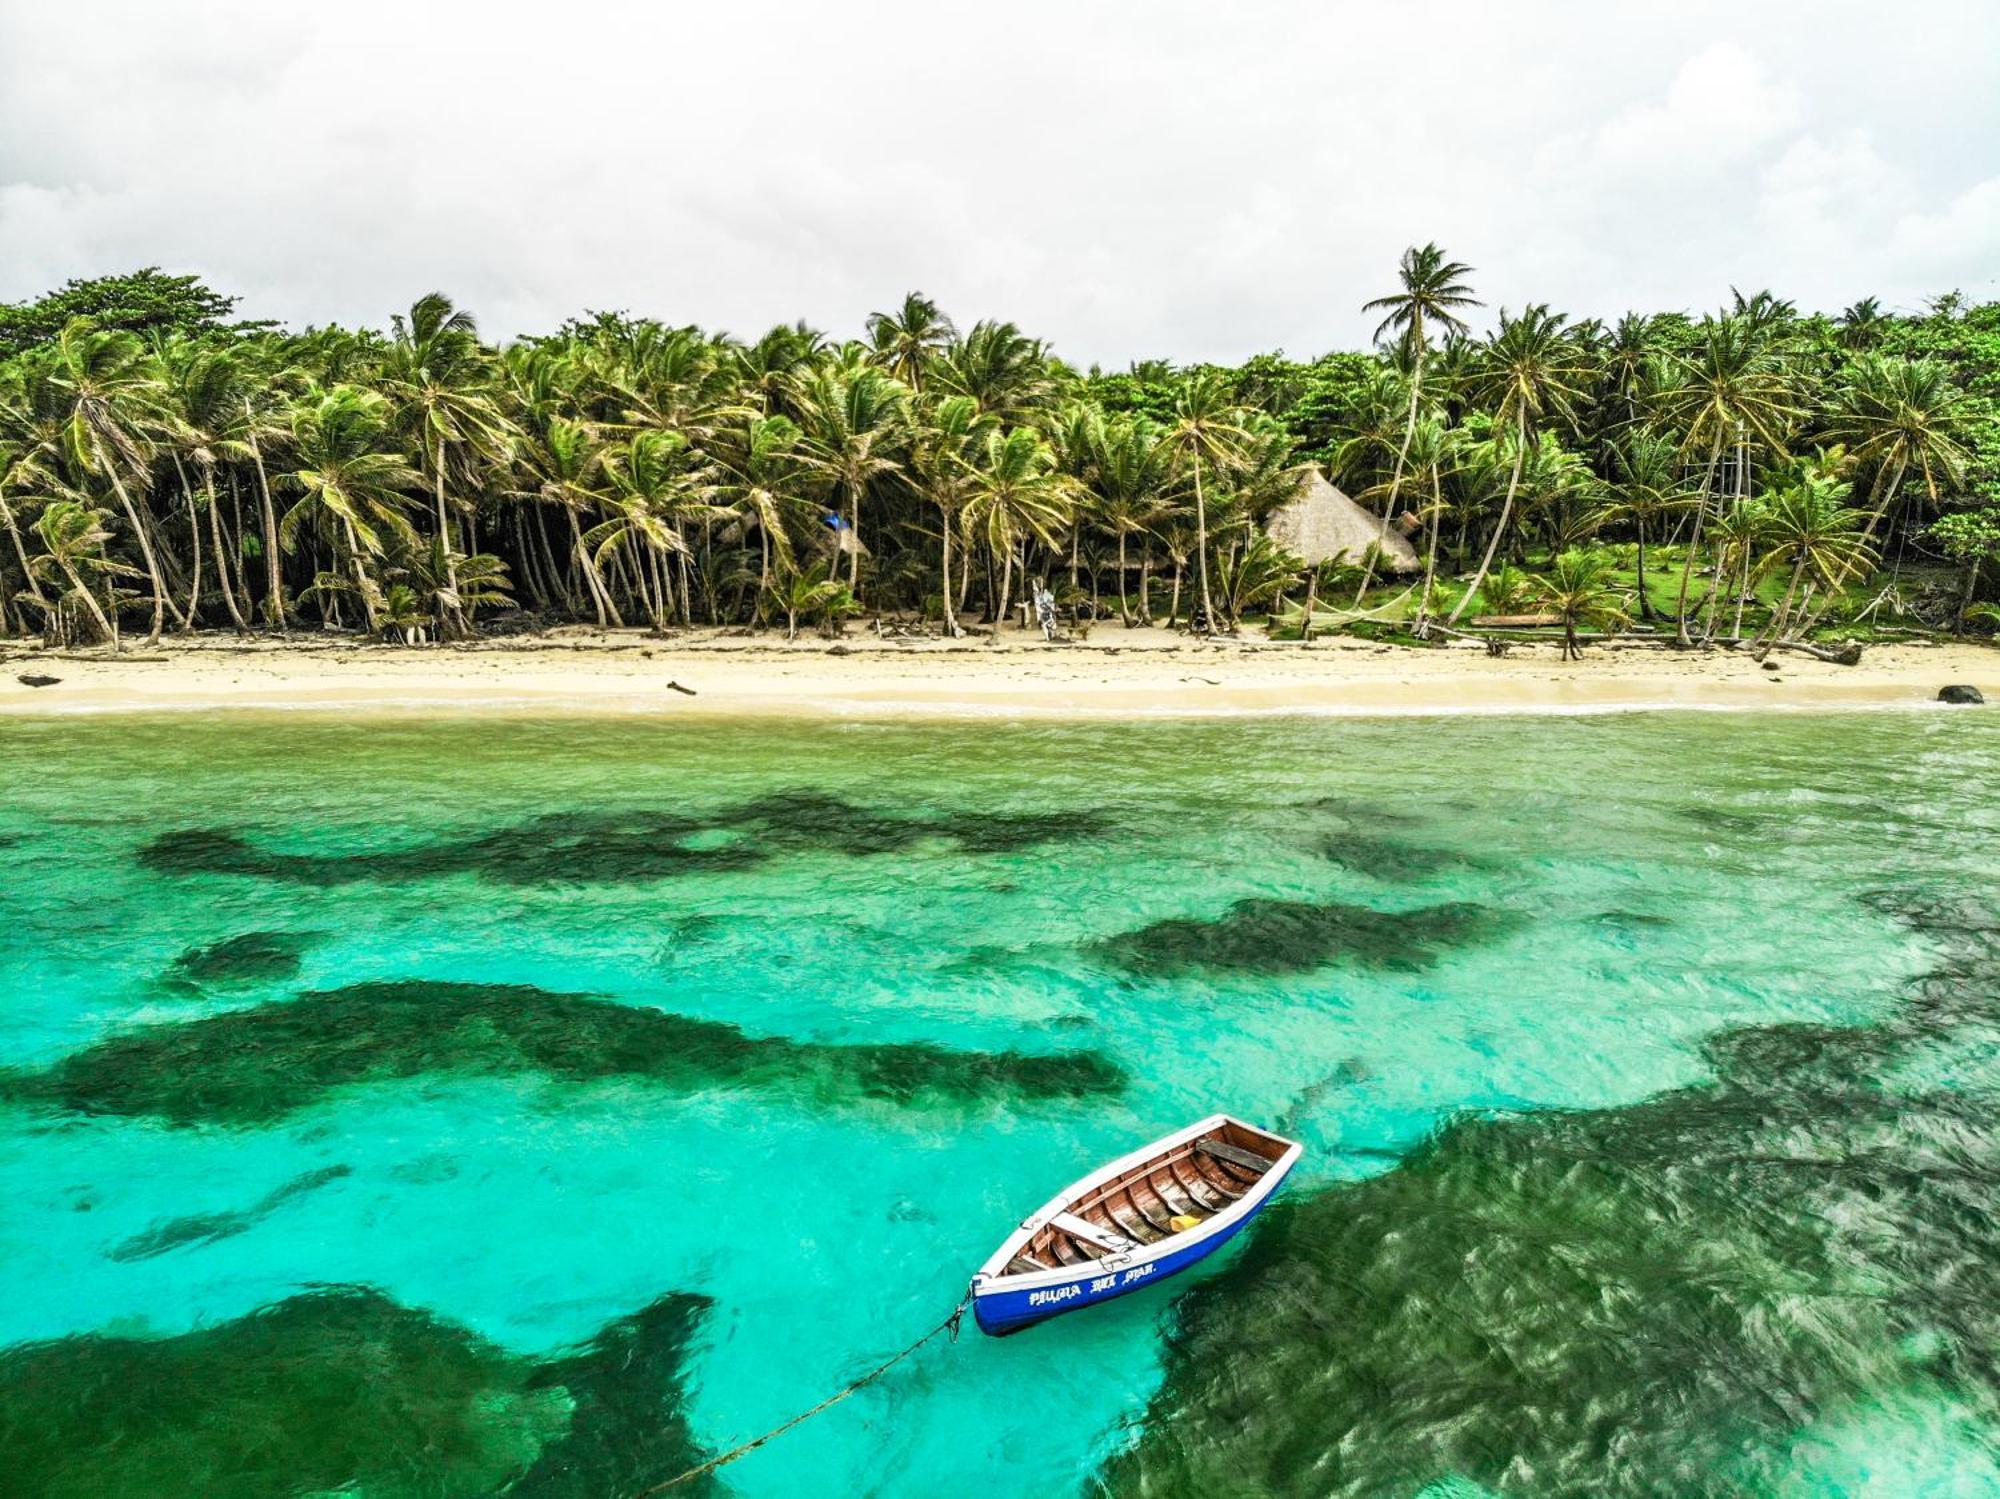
(354,487)
(73,535)
(1813,533)
(1207,428)
(1579,590)
(1016,493)
(1533,373)
(107,392)
(649,487)
(762,479)
(561,466)
(207,390)
(1432,452)
(1433,293)
(19,477)
(1902,415)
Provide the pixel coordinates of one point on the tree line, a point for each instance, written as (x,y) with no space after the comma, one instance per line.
(162,468)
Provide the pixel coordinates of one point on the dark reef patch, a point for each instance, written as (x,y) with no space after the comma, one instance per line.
(252,958)
(206,1228)
(259,1064)
(344,1391)
(1395,859)
(623,847)
(1636,1301)
(1258,935)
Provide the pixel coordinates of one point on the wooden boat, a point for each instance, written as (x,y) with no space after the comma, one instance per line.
(1133,1222)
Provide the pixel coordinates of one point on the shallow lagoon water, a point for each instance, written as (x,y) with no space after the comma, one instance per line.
(1363,929)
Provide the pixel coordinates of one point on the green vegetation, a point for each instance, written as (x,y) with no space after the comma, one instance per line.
(344,1391)
(248,1067)
(160,464)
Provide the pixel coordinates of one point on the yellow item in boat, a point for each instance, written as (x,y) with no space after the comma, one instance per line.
(1180,1223)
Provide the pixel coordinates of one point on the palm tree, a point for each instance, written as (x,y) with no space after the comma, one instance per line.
(1016,493)
(1433,292)
(1131,474)
(352,485)
(1807,525)
(1532,373)
(649,489)
(207,388)
(943,465)
(562,464)
(1902,414)
(852,424)
(810,591)
(763,477)
(1207,426)
(1732,387)
(107,392)
(73,536)
(1000,367)
(1863,323)
(18,473)
(1578,590)
(1430,453)
(1650,488)
(441,379)
(910,339)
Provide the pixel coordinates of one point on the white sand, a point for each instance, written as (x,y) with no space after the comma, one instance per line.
(1115,673)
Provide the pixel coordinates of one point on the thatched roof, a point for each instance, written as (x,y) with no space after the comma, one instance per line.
(1321,524)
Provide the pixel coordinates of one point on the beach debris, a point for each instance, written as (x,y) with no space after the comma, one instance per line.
(36,679)
(1957,692)
(1769,665)
(839,650)
(676,687)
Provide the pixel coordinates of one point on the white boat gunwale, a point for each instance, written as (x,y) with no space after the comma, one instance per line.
(993,1275)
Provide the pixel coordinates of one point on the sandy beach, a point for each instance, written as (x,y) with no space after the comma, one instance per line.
(1118,672)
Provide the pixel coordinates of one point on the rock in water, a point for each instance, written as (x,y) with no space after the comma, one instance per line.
(35,679)
(1957,692)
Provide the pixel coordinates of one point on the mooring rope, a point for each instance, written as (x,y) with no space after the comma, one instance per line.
(950,1325)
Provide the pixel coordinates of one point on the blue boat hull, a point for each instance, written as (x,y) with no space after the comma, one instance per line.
(1002,1311)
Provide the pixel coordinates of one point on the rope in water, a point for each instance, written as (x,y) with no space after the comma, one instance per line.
(950,1325)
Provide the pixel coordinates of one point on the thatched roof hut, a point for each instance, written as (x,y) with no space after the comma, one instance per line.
(1320,523)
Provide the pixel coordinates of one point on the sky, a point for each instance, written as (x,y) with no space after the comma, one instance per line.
(1126,180)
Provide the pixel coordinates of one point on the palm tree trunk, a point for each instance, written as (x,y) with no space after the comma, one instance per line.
(1312,602)
(274,597)
(1124,612)
(105,623)
(1146,581)
(1500,527)
(21,552)
(1006,587)
(1645,604)
(160,599)
(944,576)
(221,562)
(194,536)
(1201,549)
(362,587)
(447,615)
(854,536)
(1431,554)
(1694,543)
(1174,599)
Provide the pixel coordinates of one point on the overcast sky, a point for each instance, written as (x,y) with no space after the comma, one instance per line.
(1127,180)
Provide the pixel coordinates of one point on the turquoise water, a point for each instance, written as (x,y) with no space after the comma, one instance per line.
(792,1021)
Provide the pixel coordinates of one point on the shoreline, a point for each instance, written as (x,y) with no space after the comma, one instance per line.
(1140,674)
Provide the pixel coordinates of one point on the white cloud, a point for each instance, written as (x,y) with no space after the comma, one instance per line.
(1125,179)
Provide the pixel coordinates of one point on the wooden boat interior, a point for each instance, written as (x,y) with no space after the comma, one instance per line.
(1170,1193)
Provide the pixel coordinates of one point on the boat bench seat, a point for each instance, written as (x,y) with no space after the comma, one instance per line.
(1090,1233)
(1248,1160)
